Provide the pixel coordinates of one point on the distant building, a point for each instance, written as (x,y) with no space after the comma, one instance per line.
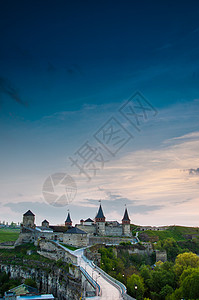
(154,228)
(24,291)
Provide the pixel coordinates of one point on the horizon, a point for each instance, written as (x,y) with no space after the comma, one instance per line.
(74,222)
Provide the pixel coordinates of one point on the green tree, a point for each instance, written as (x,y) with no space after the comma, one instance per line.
(119,266)
(7,283)
(146,274)
(171,247)
(184,261)
(190,285)
(3,277)
(177,294)
(30,282)
(120,277)
(162,281)
(135,286)
(165,291)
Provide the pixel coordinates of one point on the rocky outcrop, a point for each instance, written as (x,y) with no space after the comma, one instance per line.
(54,251)
(61,284)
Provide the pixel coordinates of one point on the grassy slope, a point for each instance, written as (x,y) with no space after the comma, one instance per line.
(69,247)
(176,232)
(8,234)
(20,253)
(19,256)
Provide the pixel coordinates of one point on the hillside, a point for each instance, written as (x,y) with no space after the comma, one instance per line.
(178,233)
(8,234)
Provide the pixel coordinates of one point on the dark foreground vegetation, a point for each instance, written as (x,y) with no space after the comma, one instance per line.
(7,283)
(175,279)
(26,257)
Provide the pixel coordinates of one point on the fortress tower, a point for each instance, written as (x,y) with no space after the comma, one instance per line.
(100,222)
(126,231)
(45,223)
(68,221)
(29,219)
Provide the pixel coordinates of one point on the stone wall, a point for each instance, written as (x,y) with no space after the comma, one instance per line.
(107,240)
(93,255)
(27,236)
(89,229)
(49,235)
(161,256)
(110,230)
(126,230)
(77,240)
(100,228)
(53,251)
(29,221)
(113,230)
(154,228)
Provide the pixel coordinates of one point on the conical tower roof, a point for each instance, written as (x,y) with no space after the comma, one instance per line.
(68,219)
(126,216)
(28,213)
(100,213)
(45,221)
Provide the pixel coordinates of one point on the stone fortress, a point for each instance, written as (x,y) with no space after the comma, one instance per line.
(80,235)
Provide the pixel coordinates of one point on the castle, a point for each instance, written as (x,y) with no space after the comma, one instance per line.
(78,235)
(101,227)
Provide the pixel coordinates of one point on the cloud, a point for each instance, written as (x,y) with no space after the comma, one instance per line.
(41,210)
(194,171)
(182,202)
(117,202)
(149,176)
(191,135)
(6,87)
(150,179)
(20,195)
(55,215)
(22,207)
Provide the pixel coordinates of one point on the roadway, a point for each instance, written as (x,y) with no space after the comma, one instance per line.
(108,290)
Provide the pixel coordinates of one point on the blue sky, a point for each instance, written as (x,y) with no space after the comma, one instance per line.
(65,69)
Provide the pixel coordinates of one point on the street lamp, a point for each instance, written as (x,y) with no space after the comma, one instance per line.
(84,289)
(136,287)
(96,285)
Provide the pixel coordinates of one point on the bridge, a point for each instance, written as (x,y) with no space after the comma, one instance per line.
(105,286)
